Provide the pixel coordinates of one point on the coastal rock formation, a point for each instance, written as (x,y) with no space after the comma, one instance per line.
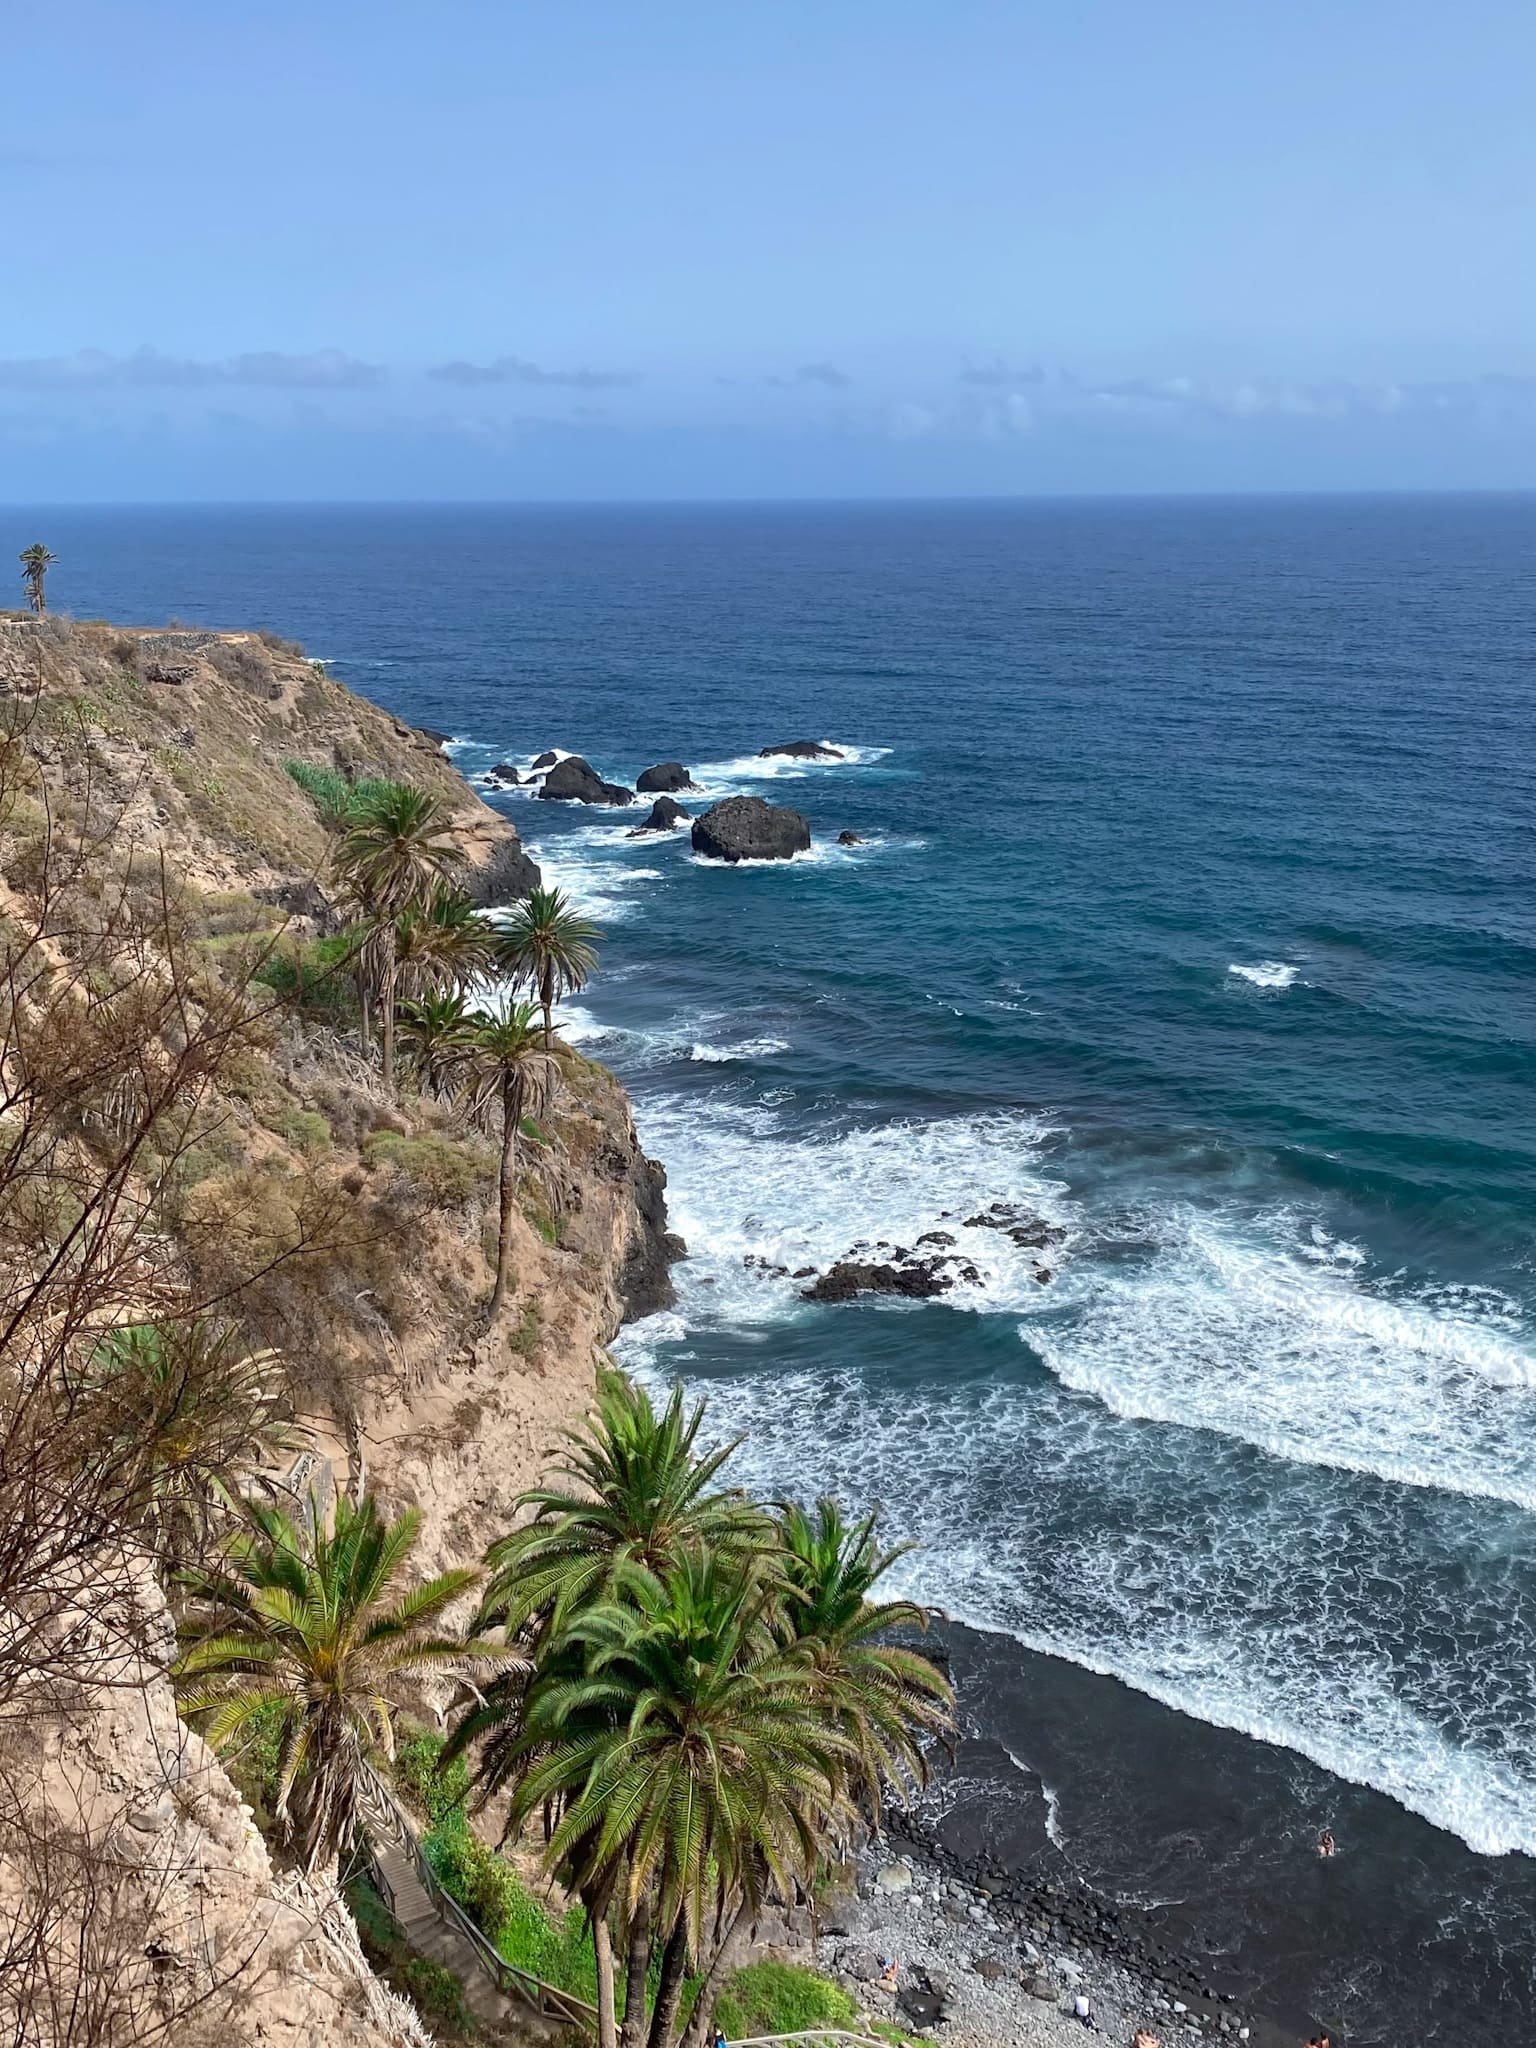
(849,839)
(914,1275)
(747,828)
(1031,1232)
(574,780)
(667,775)
(545,760)
(505,772)
(665,813)
(803,750)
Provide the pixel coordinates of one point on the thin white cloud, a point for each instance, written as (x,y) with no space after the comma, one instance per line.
(94,369)
(515,370)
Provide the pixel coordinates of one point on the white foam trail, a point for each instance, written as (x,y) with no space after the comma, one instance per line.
(596,886)
(1273,974)
(1274,1340)
(713,775)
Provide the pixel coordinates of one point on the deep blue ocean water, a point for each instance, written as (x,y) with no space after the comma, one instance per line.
(1197,912)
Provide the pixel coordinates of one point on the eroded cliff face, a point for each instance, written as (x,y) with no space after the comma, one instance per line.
(371,1228)
(137,1898)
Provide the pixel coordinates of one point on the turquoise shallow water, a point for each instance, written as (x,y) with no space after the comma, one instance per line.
(1195,911)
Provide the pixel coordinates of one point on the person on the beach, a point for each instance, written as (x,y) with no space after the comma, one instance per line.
(1082,2010)
(1145,2038)
(1325,1843)
(890,1970)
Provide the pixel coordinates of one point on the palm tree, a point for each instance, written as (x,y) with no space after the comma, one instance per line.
(310,1627)
(883,1697)
(36,561)
(634,1492)
(435,1031)
(444,943)
(189,1416)
(548,945)
(392,857)
(509,1073)
(683,1756)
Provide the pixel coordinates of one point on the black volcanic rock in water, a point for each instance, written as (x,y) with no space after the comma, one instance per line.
(576,781)
(546,760)
(664,815)
(802,750)
(505,772)
(665,775)
(747,828)
(849,839)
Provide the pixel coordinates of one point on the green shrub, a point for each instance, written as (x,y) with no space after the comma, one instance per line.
(434,1991)
(306,1130)
(780,1998)
(556,1948)
(446,1173)
(416,1767)
(315,975)
(337,798)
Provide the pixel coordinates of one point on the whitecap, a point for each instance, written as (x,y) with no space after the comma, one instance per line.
(747,1049)
(1263,1334)
(1272,974)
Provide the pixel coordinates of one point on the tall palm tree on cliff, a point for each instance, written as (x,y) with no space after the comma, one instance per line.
(508,1075)
(393,856)
(445,944)
(435,1031)
(314,1627)
(36,561)
(547,944)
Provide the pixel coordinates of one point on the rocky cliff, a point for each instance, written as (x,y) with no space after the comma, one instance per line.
(354,1235)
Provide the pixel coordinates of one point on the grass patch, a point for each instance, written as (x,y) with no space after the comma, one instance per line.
(315,975)
(337,798)
(780,1998)
(444,1172)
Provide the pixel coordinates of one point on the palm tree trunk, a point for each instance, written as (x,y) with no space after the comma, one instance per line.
(508,1191)
(674,1962)
(596,1904)
(639,1964)
(709,1990)
(547,1003)
(387,1020)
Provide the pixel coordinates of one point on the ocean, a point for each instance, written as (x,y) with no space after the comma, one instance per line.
(1195,912)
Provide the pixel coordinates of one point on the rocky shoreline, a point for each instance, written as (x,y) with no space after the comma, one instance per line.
(985,1955)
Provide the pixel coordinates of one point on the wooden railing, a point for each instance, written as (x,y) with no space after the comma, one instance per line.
(384,1817)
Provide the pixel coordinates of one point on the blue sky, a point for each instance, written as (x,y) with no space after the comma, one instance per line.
(826,247)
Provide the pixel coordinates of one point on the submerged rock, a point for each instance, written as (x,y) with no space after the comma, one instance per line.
(747,828)
(574,780)
(665,775)
(665,813)
(1026,1229)
(803,750)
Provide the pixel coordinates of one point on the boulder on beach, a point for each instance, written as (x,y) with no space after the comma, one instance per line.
(664,815)
(575,781)
(664,776)
(803,750)
(545,760)
(747,828)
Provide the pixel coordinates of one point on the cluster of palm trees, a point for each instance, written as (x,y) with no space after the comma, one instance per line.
(428,962)
(696,1697)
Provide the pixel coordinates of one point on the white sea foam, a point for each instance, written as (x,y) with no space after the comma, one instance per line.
(1267,1335)
(738,1188)
(1043,1518)
(714,775)
(746,1049)
(1272,974)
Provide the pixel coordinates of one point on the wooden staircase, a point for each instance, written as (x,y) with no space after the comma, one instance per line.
(437,1926)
